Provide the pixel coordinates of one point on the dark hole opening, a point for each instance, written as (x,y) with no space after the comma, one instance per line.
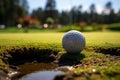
(27,55)
(111,51)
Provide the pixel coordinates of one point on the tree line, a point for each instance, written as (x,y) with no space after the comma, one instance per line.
(76,15)
(12,10)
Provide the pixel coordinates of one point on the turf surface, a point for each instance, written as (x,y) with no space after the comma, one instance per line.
(95,64)
(111,39)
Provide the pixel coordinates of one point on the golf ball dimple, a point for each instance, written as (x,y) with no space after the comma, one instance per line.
(73,41)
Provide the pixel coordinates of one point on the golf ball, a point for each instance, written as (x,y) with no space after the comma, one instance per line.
(73,41)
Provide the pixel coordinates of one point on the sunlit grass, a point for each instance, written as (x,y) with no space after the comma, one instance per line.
(107,39)
(94,39)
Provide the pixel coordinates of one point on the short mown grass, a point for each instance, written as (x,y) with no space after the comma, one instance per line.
(106,65)
(93,39)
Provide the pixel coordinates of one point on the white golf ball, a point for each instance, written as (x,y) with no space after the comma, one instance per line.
(73,41)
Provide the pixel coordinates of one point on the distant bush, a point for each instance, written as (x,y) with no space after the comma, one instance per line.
(79,28)
(115,26)
(68,28)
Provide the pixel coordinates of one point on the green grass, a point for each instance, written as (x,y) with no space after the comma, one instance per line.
(94,39)
(21,30)
(53,40)
(39,30)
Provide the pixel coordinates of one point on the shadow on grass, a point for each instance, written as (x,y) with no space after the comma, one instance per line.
(71,59)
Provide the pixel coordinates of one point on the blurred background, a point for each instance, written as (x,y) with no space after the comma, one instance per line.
(83,15)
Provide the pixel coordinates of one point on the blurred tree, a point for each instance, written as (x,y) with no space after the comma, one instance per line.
(38,14)
(50,5)
(64,18)
(24,3)
(92,8)
(107,11)
(93,14)
(79,16)
(76,14)
(112,17)
(10,11)
(108,5)
(51,11)
(118,16)
(86,17)
(73,13)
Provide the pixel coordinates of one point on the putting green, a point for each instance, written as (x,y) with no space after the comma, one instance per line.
(111,39)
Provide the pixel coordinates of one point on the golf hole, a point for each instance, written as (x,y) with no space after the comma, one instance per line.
(111,51)
(29,60)
(35,61)
(18,56)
